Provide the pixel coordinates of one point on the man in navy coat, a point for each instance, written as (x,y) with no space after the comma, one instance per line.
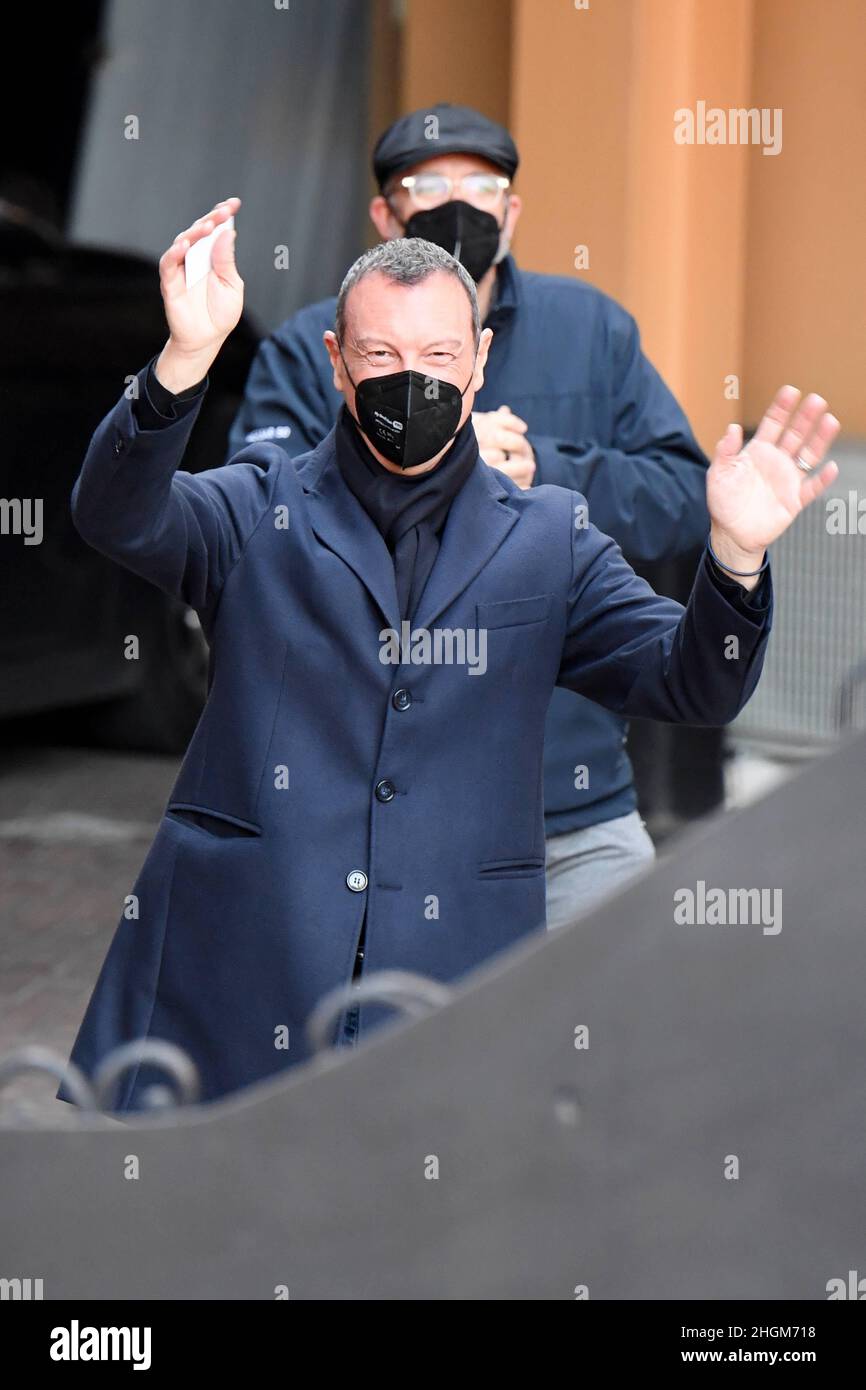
(388,618)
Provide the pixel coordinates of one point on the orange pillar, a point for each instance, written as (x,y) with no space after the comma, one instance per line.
(742,269)
(806,252)
(594,97)
(458,51)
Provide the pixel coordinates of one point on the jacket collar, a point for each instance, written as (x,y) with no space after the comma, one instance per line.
(507,296)
(478,522)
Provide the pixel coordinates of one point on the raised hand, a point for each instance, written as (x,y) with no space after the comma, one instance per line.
(199,319)
(754,493)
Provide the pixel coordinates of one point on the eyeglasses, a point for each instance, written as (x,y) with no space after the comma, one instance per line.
(429,190)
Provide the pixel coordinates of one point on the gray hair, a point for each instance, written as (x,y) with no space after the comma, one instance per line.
(406,261)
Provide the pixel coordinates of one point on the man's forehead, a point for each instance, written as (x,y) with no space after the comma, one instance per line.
(437,307)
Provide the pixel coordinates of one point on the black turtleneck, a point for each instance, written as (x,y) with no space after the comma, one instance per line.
(409,512)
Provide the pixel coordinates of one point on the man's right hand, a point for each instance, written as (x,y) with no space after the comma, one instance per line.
(199,319)
(502,443)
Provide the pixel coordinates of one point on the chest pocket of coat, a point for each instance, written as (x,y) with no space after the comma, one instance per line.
(514,612)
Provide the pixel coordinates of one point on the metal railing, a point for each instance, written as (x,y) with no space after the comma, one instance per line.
(812,688)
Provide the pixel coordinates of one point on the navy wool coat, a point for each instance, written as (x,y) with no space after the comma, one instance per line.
(323,779)
(567,358)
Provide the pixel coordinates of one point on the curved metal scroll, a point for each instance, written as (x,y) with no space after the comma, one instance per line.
(45,1059)
(152,1052)
(415,995)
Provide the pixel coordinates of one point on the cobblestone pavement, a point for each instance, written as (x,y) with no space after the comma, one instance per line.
(75,826)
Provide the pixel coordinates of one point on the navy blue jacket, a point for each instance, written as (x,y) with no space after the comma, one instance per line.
(244,913)
(568,360)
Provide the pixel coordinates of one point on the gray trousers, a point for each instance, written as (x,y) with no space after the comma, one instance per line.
(585,866)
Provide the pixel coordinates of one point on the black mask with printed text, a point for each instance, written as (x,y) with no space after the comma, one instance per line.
(407,416)
(465,232)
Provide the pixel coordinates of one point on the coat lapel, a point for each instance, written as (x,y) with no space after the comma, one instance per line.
(341,523)
(478,522)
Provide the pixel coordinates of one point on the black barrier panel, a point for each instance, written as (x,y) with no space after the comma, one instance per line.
(705,1138)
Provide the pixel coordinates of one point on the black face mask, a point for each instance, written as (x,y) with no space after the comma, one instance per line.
(407,416)
(467,233)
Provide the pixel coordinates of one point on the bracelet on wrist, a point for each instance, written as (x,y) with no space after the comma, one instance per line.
(744,574)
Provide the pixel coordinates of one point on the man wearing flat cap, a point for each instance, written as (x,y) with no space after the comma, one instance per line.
(568,398)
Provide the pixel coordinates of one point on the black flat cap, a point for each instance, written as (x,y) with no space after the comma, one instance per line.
(452,130)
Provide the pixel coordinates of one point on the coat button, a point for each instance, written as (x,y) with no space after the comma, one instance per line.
(118,446)
(356,880)
(385,790)
(401,699)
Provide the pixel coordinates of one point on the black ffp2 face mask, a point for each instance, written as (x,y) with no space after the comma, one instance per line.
(465,232)
(407,416)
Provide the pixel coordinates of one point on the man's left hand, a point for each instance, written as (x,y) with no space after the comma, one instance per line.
(754,493)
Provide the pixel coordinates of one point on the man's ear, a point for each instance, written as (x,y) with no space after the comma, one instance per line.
(481,358)
(383,219)
(515,207)
(340,379)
